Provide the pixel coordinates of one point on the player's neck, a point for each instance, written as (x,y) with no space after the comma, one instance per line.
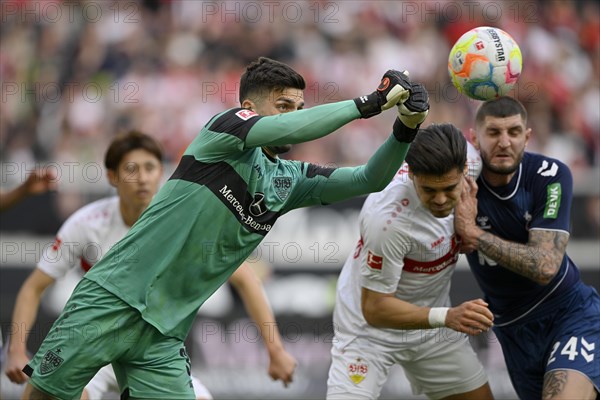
(130,213)
(496,180)
(269,153)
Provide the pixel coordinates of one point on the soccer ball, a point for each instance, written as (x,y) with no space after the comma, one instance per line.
(485,63)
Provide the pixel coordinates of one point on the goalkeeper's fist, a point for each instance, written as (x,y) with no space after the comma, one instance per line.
(412,113)
(393,90)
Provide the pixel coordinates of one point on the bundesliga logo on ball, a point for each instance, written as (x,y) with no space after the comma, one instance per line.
(485,63)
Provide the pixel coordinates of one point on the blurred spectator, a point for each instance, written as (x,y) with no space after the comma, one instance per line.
(39,181)
(72,77)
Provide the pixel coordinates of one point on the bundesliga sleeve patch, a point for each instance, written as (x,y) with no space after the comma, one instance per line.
(374,261)
(246,114)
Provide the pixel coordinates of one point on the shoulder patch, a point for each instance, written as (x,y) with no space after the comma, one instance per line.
(246,114)
(546,170)
(374,261)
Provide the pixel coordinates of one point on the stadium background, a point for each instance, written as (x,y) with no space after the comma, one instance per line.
(74,73)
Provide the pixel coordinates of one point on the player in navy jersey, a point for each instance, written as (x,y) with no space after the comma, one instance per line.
(515,225)
(226,193)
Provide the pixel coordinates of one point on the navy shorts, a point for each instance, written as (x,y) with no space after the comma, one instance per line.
(563,334)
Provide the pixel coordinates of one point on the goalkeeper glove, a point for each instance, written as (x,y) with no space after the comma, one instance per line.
(412,113)
(393,90)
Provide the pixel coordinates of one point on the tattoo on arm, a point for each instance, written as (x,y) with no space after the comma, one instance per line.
(538,260)
(554,383)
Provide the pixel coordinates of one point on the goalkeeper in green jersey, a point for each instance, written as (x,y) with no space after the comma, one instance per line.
(137,305)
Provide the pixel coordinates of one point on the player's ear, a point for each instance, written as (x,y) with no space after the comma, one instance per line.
(249,105)
(113,178)
(411,175)
(473,137)
(527,135)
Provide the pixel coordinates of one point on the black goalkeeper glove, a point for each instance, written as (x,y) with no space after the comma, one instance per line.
(393,90)
(412,113)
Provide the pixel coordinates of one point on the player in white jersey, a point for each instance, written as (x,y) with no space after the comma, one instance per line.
(393,304)
(134,167)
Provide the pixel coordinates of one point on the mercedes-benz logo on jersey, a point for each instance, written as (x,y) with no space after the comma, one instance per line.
(258,206)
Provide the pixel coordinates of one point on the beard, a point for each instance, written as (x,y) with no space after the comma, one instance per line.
(501,169)
(280,149)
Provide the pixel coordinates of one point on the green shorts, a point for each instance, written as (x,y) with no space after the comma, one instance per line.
(97,328)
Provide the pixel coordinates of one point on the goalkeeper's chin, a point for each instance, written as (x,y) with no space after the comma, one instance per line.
(280,149)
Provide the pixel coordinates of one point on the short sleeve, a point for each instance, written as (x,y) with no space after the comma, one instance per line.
(552,192)
(385,246)
(66,251)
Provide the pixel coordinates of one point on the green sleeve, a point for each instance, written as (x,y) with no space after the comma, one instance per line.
(374,176)
(302,125)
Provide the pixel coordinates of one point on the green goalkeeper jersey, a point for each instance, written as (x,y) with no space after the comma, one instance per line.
(221,201)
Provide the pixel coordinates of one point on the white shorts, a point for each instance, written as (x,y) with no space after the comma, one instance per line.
(104,386)
(438,366)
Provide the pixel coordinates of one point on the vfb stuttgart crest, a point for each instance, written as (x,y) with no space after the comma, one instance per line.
(282,185)
(357,371)
(50,362)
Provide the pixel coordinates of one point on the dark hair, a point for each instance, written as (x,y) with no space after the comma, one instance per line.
(125,142)
(437,150)
(500,107)
(264,75)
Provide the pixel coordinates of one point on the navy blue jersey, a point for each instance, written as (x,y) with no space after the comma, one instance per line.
(537,197)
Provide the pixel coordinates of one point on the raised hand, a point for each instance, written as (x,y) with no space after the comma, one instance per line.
(393,90)
(411,114)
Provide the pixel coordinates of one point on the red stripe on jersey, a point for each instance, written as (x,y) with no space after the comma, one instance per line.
(86,266)
(435,266)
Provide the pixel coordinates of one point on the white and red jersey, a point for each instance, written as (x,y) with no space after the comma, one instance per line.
(403,249)
(84,238)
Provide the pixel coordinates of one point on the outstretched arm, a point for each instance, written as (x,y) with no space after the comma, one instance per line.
(383,165)
(305,125)
(38,182)
(249,287)
(24,316)
(539,259)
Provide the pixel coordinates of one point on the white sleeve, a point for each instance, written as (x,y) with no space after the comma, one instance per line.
(66,251)
(383,255)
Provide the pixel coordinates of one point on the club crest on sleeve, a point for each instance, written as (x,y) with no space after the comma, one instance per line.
(246,114)
(282,185)
(374,261)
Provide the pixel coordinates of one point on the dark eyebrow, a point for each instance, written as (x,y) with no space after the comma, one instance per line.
(289,101)
(450,187)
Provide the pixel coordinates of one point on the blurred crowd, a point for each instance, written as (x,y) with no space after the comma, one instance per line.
(74,73)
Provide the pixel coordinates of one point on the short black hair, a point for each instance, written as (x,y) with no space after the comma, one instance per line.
(437,150)
(500,107)
(125,142)
(264,75)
